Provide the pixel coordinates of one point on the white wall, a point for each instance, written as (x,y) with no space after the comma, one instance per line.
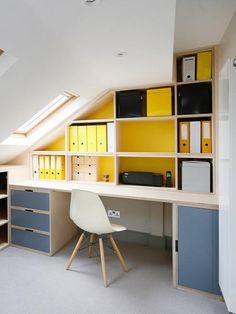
(227,47)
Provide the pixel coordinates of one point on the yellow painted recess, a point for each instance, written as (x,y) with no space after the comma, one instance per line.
(149,164)
(147,136)
(105,111)
(106,166)
(59,145)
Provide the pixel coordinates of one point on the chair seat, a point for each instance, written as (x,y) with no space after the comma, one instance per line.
(118,228)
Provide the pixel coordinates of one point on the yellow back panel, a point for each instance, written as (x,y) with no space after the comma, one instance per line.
(106,166)
(149,164)
(105,111)
(147,136)
(59,144)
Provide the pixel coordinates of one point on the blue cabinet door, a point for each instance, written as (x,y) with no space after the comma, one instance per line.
(198,249)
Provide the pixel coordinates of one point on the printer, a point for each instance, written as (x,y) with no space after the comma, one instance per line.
(141,178)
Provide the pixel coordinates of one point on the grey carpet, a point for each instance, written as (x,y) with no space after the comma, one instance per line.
(32,283)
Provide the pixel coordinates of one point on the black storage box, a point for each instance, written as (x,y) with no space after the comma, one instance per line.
(195,98)
(142,178)
(130,104)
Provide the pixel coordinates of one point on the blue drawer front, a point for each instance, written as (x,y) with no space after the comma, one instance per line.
(30,220)
(27,199)
(30,240)
(198,249)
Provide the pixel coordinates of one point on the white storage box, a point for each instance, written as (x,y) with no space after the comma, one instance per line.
(196,176)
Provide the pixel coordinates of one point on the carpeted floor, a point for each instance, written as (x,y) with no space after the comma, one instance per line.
(32,283)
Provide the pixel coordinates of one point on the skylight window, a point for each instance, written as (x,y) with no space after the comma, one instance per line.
(56,104)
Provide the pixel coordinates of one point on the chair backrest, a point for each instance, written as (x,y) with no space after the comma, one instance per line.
(88,212)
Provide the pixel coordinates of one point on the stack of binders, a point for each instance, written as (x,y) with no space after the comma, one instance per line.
(92,138)
(195,137)
(49,167)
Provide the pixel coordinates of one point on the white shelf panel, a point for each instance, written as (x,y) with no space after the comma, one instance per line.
(92,121)
(90,154)
(3,222)
(146,154)
(200,115)
(194,155)
(3,194)
(162,118)
(193,82)
(3,245)
(53,153)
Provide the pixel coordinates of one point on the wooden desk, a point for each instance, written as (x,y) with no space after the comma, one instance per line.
(126,191)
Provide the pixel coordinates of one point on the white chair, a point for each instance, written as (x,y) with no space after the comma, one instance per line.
(89,214)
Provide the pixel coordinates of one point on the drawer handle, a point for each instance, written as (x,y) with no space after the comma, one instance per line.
(29,190)
(29,230)
(29,210)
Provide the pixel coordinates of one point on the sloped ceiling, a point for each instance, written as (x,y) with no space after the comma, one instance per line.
(201,23)
(66,45)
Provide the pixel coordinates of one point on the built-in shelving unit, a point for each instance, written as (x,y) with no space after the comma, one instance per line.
(4,239)
(149,142)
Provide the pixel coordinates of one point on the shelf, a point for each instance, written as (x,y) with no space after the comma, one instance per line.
(90,154)
(140,119)
(193,82)
(196,115)
(3,245)
(194,155)
(3,222)
(3,196)
(92,182)
(53,153)
(146,154)
(91,121)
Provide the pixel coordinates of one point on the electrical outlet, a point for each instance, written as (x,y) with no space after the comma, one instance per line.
(113,213)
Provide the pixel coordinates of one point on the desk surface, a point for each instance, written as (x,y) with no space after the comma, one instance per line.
(126,191)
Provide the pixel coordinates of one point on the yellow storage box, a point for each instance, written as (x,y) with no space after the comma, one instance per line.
(204,65)
(159,102)
(101,138)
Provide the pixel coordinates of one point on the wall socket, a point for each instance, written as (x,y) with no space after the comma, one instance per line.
(113,213)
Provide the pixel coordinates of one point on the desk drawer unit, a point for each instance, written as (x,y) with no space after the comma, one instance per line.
(30,239)
(30,219)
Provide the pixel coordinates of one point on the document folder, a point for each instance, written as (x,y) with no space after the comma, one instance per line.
(47,167)
(101,138)
(188,68)
(184,134)
(73,133)
(206,137)
(41,167)
(83,146)
(53,168)
(195,136)
(60,168)
(35,167)
(92,138)
(204,65)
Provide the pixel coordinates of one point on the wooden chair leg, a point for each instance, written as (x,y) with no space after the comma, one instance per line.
(103,262)
(115,247)
(90,249)
(76,249)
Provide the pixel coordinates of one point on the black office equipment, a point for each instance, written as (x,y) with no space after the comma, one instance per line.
(130,104)
(168,179)
(195,98)
(142,178)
